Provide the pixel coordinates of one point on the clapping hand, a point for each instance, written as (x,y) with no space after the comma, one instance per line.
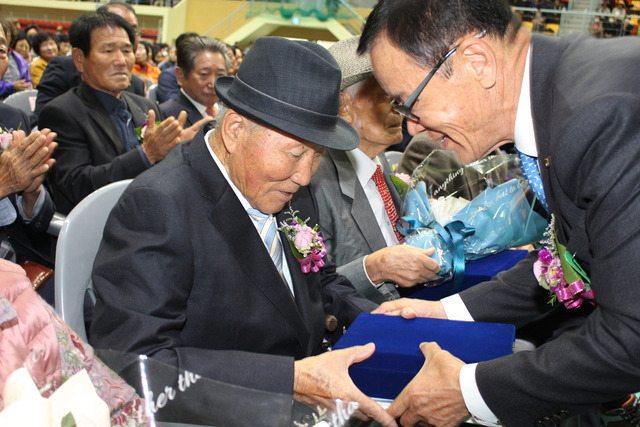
(25,161)
(160,138)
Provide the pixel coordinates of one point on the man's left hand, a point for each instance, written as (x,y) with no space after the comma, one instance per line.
(433,396)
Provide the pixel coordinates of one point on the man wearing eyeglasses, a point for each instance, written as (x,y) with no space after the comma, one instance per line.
(470,76)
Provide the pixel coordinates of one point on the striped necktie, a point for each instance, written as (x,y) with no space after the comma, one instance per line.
(269,235)
(378,178)
(531,172)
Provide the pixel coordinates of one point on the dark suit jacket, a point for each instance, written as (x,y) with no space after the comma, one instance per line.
(168,86)
(175,105)
(61,75)
(588,138)
(90,153)
(30,241)
(183,276)
(347,222)
(12,118)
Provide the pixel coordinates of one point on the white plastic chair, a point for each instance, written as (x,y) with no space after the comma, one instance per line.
(76,249)
(25,100)
(393,157)
(151,93)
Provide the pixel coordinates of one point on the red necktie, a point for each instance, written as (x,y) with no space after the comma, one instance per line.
(378,178)
(211,112)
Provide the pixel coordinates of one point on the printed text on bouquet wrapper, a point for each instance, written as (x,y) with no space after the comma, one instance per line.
(184,382)
(447,181)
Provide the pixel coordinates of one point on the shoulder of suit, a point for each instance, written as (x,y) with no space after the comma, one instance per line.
(129,97)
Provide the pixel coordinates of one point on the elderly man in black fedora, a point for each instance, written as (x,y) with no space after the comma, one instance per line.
(183,274)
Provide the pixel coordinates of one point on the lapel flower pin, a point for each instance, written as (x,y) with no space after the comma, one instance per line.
(306,243)
(558,272)
(142,130)
(5,139)
(402,182)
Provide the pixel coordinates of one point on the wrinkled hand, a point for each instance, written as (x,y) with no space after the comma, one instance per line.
(433,396)
(411,308)
(24,163)
(326,376)
(191,131)
(161,138)
(402,264)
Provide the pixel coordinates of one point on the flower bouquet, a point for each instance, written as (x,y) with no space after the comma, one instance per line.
(497,218)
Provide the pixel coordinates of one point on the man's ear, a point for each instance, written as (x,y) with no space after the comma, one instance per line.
(179,75)
(234,128)
(480,60)
(345,110)
(78,58)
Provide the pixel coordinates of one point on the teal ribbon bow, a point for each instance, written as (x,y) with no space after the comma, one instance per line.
(452,234)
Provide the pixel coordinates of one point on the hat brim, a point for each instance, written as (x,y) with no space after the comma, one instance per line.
(340,135)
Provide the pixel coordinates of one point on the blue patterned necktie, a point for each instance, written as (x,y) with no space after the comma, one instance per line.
(531,172)
(269,235)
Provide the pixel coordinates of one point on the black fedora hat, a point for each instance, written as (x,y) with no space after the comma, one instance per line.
(291,86)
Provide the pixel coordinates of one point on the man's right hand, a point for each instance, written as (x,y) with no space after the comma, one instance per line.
(402,264)
(411,308)
(326,376)
(25,161)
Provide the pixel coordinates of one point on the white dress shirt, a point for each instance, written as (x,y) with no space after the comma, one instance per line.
(364,168)
(453,306)
(245,204)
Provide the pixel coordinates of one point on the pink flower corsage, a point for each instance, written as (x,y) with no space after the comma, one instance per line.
(306,243)
(559,273)
(402,182)
(5,139)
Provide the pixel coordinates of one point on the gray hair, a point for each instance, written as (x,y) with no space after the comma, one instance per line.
(189,48)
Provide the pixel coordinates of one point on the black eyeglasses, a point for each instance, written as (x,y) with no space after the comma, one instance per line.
(405,108)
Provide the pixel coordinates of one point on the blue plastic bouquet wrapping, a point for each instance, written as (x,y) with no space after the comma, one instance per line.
(496,219)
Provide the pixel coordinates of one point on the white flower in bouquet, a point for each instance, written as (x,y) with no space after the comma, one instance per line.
(24,406)
(444,208)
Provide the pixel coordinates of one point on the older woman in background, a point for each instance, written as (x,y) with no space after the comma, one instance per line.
(22,45)
(143,66)
(46,46)
(17,78)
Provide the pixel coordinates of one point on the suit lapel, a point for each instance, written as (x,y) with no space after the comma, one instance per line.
(238,231)
(138,114)
(360,208)
(543,55)
(193,115)
(100,117)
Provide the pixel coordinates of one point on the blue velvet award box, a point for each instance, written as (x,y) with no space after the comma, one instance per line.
(475,272)
(398,357)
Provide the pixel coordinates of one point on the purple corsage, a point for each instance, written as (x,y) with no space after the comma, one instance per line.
(558,271)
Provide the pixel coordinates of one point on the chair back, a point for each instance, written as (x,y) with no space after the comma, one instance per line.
(151,93)
(76,249)
(25,100)
(393,157)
